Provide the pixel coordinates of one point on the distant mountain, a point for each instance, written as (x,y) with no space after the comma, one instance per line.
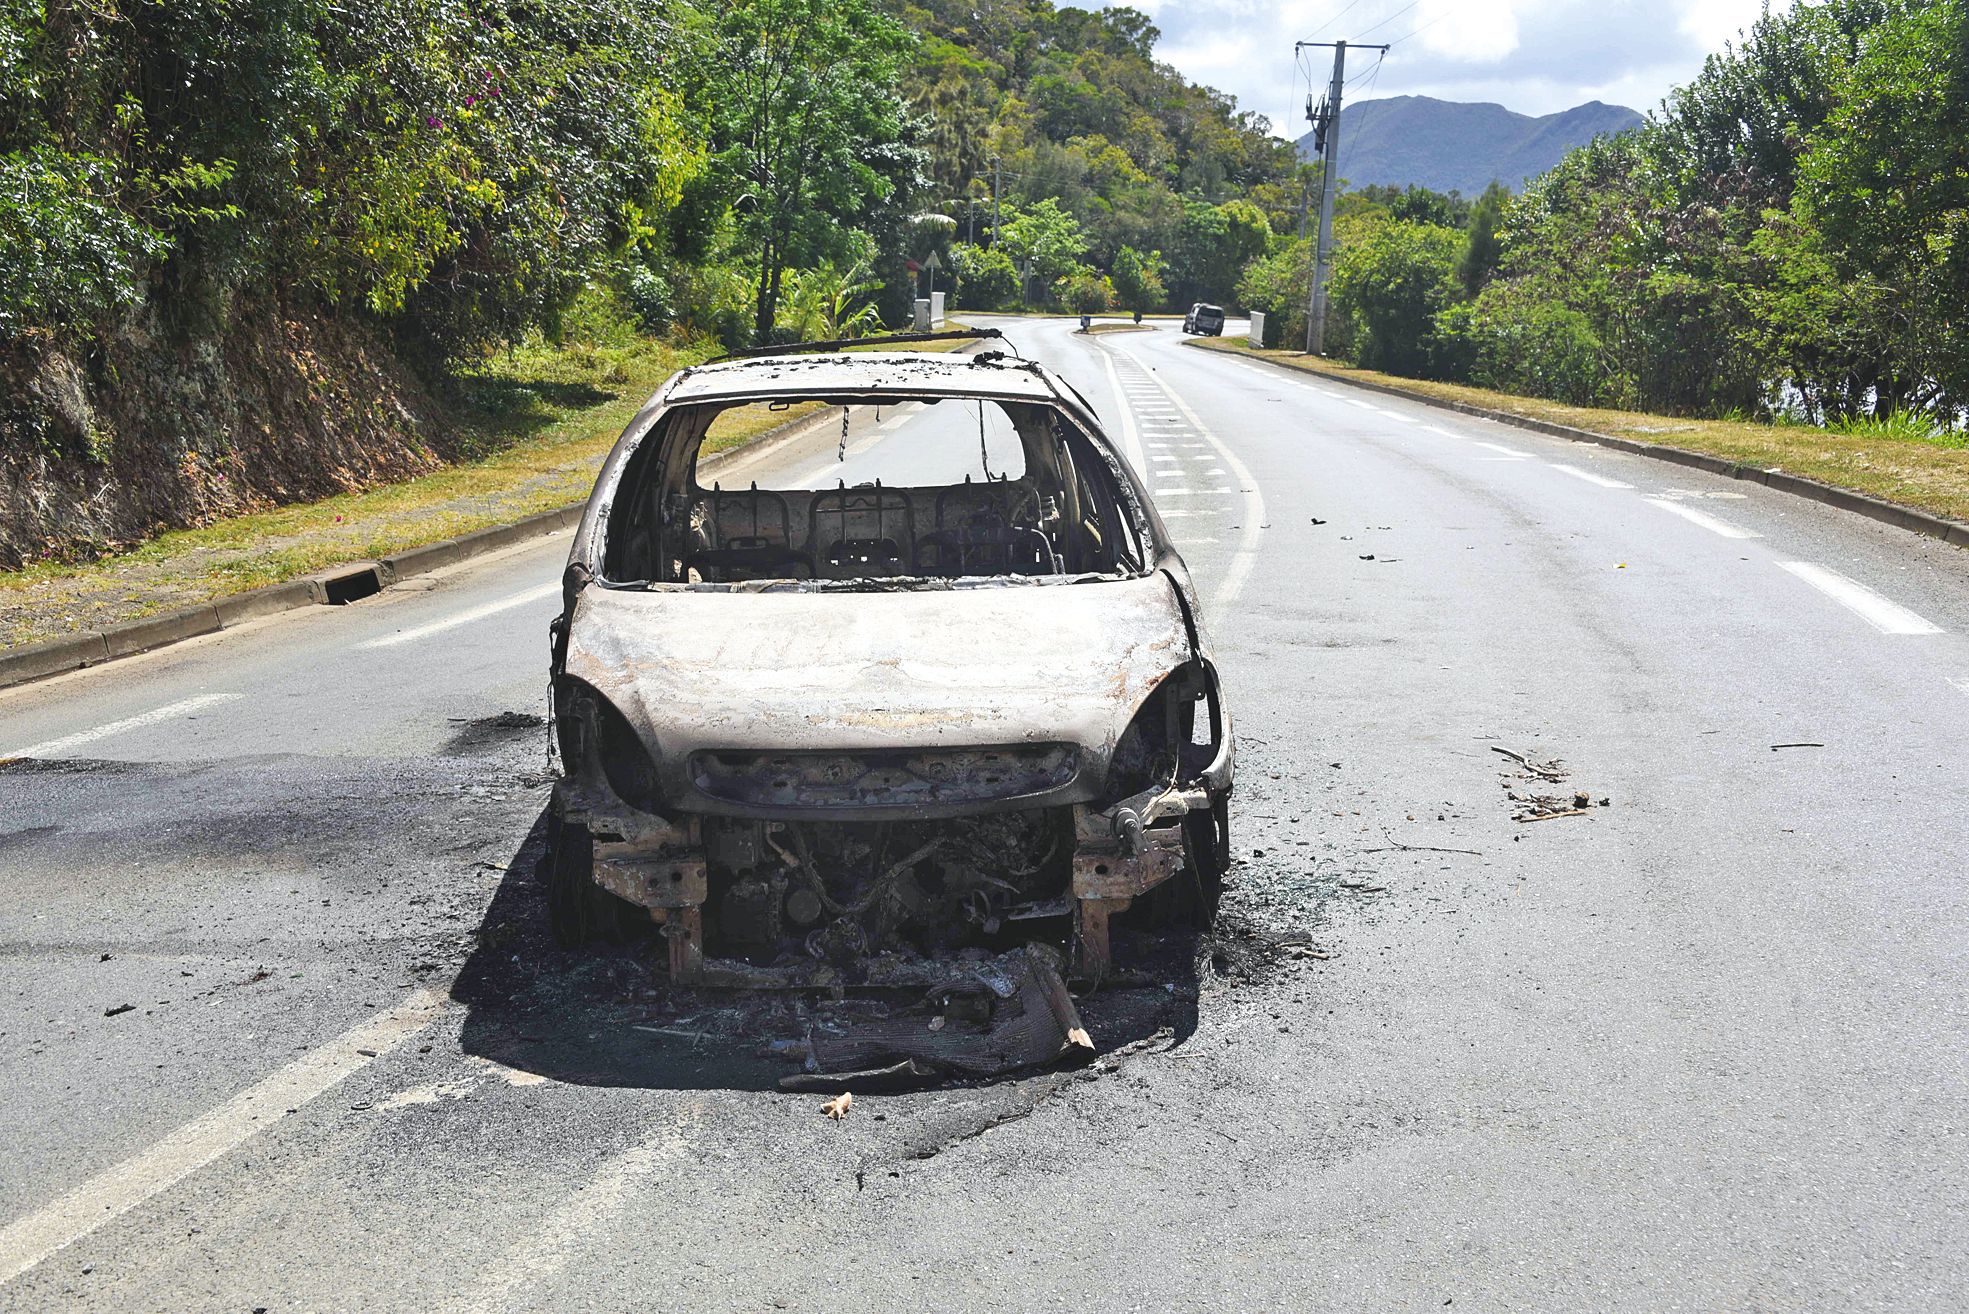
(1417,140)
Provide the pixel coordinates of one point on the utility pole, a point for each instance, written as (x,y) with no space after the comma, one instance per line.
(994,200)
(1326,139)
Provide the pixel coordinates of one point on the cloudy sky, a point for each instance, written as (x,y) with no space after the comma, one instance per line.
(1533,56)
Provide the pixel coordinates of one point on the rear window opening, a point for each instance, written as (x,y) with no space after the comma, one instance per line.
(930,488)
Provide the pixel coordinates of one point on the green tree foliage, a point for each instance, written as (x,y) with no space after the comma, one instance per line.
(1043,240)
(1485,220)
(1076,110)
(1392,285)
(806,121)
(1138,279)
(1789,234)
(986,277)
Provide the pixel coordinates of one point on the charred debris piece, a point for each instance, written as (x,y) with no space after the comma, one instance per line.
(1011,1012)
(1530,806)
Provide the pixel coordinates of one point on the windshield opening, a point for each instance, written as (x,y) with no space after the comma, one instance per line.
(934,488)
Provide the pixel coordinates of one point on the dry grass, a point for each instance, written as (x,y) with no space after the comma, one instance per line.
(540,423)
(1929,475)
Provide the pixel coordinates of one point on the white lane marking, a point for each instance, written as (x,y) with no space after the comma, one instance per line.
(1192,492)
(1708,522)
(168,712)
(904,414)
(109,1194)
(1887,617)
(1404,419)
(1167,460)
(554,1242)
(1444,432)
(463,618)
(1245,556)
(1959,681)
(1171,515)
(1131,441)
(1587,475)
(1366,406)
(1508,451)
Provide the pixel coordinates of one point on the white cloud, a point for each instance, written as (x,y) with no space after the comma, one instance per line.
(1468,31)
(1713,22)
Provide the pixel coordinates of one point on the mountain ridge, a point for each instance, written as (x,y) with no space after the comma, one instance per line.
(1461,145)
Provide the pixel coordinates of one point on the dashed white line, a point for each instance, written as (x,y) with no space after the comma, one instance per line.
(1887,617)
(1438,429)
(1511,452)
(1192,492)
(168,712)
(463,618)
(1708,522)
(111,1193)
(1959,681)
(1366,406)
(1587,475)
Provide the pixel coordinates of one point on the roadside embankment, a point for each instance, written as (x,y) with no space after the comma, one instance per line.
(1917,484)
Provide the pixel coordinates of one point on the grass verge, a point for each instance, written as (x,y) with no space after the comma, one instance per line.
(538,422)
(1893,463)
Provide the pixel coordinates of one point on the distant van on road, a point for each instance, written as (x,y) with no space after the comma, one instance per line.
(1205,319)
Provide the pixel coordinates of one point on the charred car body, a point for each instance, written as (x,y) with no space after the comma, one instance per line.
(859,734)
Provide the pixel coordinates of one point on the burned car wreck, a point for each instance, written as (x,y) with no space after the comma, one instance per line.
(873,734)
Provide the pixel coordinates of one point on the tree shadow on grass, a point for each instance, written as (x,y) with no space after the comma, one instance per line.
(604,1016)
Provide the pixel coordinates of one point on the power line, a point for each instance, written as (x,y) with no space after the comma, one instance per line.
(1336,18)
(1392,17)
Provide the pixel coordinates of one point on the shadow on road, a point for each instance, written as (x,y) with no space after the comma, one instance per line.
(605,1017)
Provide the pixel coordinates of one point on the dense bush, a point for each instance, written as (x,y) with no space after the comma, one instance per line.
(1391,286)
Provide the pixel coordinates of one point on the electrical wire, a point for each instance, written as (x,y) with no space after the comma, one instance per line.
(1391,17)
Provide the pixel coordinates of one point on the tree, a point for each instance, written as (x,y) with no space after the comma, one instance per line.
(1392,286)
(986,277)
(1486,219)
(1138,279)
(806,99)
(1044,240)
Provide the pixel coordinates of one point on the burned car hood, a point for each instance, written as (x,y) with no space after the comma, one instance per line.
(855,671)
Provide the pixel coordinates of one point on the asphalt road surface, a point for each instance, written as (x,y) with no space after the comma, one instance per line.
(282,1029)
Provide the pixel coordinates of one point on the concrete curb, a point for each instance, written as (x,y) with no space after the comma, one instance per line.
(1949,531)
(338,584)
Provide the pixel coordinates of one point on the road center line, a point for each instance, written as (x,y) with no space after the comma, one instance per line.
(1708,522)
(111,1193)
(1588,476)
(1887,617)
(463,618)
(168,712)
(1500,447)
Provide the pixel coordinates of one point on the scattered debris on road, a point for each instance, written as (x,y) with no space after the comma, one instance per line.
(118,1010)
(1776,747)
(837,1108)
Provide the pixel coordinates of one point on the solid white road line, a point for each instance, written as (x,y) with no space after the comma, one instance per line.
(1437,429)
(1366,406)
(1508,451)
(1192,492)
(1887,617)
(1245,555)
(169,712)
(1959,681)
(114,1192)
(1708,522)
(463,618)
(1587,475)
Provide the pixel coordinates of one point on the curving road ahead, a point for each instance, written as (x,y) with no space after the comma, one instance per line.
(1700,1047)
